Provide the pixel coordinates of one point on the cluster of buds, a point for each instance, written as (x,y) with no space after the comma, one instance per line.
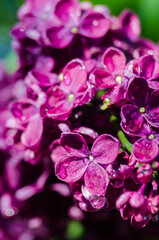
(83,107)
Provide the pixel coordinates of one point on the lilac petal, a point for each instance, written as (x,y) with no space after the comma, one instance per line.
(33,133)
(130,24)
(61,111)
(74,77)
(88,133)
(67,10)
(70,169)
(147,66)
(24,109)
(96,179)
(105,149)
(137,200)
(45,80)
(94,25)
(123,199)
(132,120)
(139,221)
(154,83)
(59,37)
(57,151)
(138,92)
(74,144)
(145,150)
(152,109)
(114,60)
(44,64)
(102,79)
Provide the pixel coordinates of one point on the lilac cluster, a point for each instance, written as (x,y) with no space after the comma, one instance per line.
(84,104)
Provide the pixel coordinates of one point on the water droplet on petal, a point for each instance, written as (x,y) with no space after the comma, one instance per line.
(67,79)
(91,185)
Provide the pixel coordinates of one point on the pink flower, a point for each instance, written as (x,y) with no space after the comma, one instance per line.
(82,162)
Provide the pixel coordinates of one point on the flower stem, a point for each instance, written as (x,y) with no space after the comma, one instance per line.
(124,141)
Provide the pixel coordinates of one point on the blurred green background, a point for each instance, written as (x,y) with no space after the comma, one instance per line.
(148,11)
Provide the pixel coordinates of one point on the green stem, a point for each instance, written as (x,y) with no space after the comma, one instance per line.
(124,141)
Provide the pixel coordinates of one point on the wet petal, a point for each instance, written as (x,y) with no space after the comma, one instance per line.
(145,150)
(33,133)
(24,109)
(147,66)
(74,77)
(114,60)
(154,83)
(152,109)
(94,25)
(102,79)
(74,144)
(132,119)
(105,149)
(70,169)
(96,179)
(138,92)
(67,10)
(130,24)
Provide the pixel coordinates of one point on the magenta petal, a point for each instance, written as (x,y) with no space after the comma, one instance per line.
(74,77)
(139,221)
(70,169)
(74,144)
(145,150)
(24,109)
(154,83)
(147,66)
(130,24)
(105,149)
(132,120)
(45,80)
(123,199)
(94,25)
(96,179)
(59,37)
(152,109)
(67,10)
(114,60)
(102,79)
(138,91)
(33,133)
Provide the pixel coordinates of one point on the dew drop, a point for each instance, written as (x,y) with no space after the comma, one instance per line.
(91,185)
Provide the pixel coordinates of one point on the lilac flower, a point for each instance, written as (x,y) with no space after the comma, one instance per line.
(73,91)
(146,148)
(27,114)
(134,205)
(111,77)
(92,24)
(88,163)
(144,107)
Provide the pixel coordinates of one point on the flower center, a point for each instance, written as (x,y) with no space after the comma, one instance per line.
(151,136)
(118,79)
(142,110)
(60,77)
(74,30)
(91,158)
(44,16)
(71,97)
(106,103)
